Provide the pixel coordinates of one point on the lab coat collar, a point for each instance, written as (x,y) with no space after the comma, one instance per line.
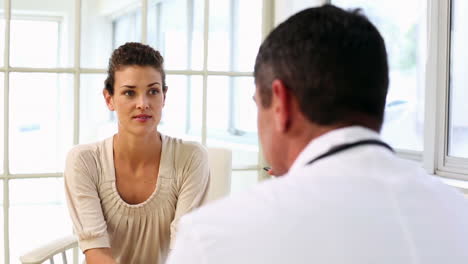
(325,142)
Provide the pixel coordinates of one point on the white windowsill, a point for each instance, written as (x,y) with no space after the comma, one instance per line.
(459,184)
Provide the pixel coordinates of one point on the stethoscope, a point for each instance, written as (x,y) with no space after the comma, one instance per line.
(339,148)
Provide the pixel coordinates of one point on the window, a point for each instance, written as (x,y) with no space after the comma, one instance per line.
(126,28)
(402,25)
(429,86)
(51,88)
(46,30)
(458,124)
(452,128)
(210,76)
(52,79)
(40,128)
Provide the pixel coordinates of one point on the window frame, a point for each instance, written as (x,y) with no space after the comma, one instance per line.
(133,13)
(267,25)
(414,155)
(6,69)
(445,165)
(434,158)
(77,70)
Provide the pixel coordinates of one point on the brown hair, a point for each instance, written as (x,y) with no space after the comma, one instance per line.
(133,53)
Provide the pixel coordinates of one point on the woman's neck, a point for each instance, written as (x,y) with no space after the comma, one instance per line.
(137,150)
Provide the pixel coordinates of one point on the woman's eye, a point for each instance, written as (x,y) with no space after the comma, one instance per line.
(154,91)
(129,93)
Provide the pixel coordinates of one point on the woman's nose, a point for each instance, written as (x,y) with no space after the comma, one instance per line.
(143,103)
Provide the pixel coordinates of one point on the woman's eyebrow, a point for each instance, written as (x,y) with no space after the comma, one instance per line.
(151,84)
(128,86)
(134,86)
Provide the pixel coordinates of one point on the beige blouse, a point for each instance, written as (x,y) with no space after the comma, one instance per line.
(140,233)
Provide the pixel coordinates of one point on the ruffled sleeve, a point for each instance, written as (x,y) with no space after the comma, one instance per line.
(194,182)
(84,204)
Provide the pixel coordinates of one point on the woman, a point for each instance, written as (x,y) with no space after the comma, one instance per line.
(126,194)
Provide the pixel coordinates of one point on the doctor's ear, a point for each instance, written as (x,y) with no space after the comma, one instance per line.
(109,99)
(281,106)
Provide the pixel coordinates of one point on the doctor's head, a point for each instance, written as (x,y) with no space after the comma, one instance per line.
(321,69)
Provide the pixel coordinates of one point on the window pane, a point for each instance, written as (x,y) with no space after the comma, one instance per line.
(231,119)
(243,180)
(170,21)
(182,113)
(2,128)
(196,62)
(235,34)
(403,26)
(42,35)
(249,34)
(38,214)
(41,121)
(127,28)
(171,24)
(458,129)
(105,25)
(244,105)
(219,37)
(96,121)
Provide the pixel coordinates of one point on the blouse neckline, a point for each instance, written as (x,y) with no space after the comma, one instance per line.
(157,189)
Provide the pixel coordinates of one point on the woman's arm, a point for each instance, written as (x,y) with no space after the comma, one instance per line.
(194,185)
(99,256)
(81,190)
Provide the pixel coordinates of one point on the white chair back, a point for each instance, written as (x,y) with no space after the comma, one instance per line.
(220,162)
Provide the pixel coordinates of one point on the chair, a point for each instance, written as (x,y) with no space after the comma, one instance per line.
(51,249)
(220,162)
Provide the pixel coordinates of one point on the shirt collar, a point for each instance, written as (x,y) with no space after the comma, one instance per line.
(325,142)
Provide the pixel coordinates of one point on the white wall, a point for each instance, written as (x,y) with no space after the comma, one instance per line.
(57,6)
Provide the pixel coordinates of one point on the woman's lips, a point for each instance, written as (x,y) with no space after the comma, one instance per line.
(142,118)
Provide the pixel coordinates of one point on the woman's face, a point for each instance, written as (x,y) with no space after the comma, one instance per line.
(138,99)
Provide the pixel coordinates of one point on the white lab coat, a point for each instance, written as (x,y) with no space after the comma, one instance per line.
(360,206)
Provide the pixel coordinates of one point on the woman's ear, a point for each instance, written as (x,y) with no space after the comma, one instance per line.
(165,92)
(109,99)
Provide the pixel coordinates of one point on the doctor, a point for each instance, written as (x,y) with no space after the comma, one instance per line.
(344,197)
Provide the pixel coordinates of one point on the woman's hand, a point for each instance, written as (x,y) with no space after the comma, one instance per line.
(99,256)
